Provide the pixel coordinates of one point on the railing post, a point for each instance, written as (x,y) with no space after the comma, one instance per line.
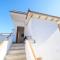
(59,27)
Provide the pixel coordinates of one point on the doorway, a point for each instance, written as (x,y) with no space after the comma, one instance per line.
(20,35)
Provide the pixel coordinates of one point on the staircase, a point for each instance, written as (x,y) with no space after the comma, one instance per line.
(16,52)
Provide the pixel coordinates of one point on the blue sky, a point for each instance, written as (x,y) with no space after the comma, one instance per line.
(51,7)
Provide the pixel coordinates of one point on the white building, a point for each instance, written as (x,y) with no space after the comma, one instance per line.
(42,32)
(41,28)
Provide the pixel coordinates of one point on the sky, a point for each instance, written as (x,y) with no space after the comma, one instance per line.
(51,7)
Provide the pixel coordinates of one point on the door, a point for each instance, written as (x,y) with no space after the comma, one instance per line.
(20,35)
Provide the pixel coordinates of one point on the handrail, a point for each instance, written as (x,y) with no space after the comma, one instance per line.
(7,35)
(36,58)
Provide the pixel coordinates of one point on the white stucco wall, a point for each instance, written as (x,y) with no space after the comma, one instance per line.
(41,30)
(50,49)
(47,36)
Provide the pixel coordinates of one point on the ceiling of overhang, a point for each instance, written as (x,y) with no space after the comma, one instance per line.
(18,19)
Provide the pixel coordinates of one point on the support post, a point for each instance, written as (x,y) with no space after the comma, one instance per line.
(59,27)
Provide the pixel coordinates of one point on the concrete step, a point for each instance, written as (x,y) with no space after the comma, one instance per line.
(22,47)
(18,45)
(20,53)
(15,57)
(16,51)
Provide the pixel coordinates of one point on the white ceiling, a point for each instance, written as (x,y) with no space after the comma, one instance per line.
(18,19)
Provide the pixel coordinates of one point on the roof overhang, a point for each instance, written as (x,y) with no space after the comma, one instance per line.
(18,18)
(42,16)
(22,18)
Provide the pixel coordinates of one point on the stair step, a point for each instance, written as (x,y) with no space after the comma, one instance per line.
(14,45)
(22,53)
(16,51)
(15,57)
(17,47)
(19,44)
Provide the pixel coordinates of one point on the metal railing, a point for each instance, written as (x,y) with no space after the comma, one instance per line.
(4,36)
(29,37)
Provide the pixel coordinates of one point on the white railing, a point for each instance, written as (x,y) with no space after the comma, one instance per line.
(31,53)
(4,46)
